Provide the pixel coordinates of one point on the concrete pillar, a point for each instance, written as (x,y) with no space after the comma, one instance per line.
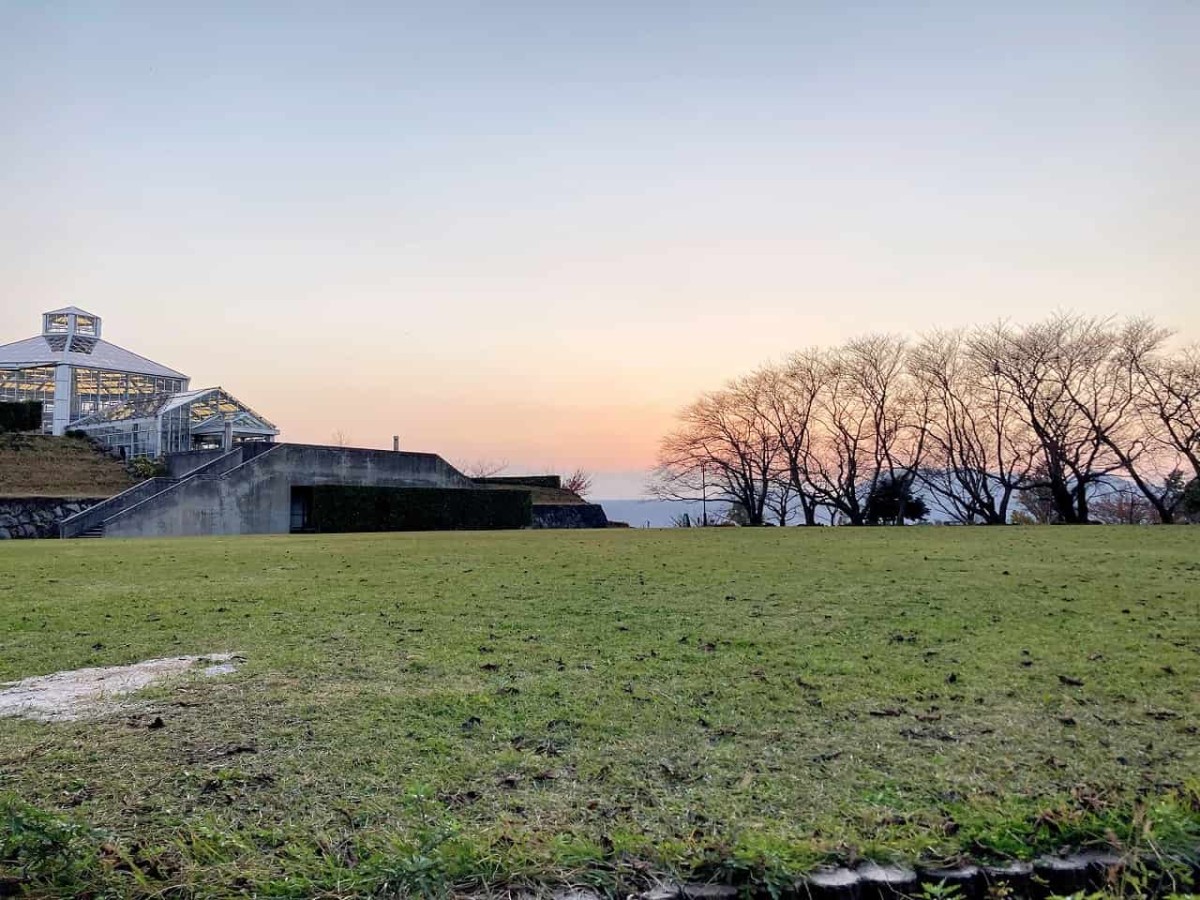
(227,441)
(395,443)
(62,399)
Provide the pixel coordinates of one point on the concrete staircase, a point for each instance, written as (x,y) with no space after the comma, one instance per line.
(90,522)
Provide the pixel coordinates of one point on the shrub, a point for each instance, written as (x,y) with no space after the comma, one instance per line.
(893,497)
(1190,501)
(146,467)
(336,508)
(21,415)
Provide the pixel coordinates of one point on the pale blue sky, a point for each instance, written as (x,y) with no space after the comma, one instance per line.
(531,231)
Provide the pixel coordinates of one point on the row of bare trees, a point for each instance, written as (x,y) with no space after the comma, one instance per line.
(1048,421)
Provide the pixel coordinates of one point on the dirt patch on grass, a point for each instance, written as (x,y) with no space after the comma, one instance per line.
(86,693)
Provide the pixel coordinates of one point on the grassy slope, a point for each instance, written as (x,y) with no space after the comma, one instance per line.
(421,708)
(36,465)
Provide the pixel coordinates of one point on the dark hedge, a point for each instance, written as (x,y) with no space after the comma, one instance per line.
(546,481)
(21,415)
(336,508)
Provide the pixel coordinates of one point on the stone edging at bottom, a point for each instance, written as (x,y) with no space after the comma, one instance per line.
(1047,875)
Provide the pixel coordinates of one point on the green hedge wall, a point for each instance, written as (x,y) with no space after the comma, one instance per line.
(22,415)
(336,508)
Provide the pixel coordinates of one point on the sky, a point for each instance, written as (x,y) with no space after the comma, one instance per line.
(531,232)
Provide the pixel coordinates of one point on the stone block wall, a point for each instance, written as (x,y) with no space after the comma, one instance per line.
(38,517)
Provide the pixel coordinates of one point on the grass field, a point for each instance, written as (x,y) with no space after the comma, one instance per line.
(424,710)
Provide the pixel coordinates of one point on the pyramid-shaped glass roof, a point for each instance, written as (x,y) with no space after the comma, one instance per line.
(60,342)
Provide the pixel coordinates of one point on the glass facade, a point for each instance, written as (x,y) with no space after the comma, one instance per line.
(159,424)
(132,439)
(94,389)
(175,430)
(33,383)
(91,389)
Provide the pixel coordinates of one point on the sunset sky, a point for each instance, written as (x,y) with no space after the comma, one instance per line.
(532,231)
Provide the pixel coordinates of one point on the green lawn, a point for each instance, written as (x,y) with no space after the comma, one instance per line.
(421,710)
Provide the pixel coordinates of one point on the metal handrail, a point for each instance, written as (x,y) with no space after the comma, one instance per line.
(95,515)
(203,472)
(75,525)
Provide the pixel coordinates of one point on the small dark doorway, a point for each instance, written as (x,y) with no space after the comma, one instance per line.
(302,499)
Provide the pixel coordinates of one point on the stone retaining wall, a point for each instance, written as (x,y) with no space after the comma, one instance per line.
(38,517)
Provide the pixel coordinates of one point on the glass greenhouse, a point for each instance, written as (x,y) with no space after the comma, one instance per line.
(129,402)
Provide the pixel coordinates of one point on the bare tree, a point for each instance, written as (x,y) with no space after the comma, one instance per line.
(899,409)
(780,501)
(1123,506)
(1169,399)
(789,396)
(1037,501)
(1051,416)
(1108,389)
(724,445)
(839,454)
(979,452)
(1038,366)
(481,468)
(579,482)
(866,425)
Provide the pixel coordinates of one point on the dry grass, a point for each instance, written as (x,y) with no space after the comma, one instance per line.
(36,465)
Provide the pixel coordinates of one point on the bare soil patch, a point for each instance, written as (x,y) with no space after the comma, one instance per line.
(86,693)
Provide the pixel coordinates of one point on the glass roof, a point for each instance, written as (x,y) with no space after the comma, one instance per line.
(80,345)
(204,405)
(92,353)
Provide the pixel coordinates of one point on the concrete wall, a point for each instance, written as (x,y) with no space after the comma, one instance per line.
(179,464)
(255,496)
(38,517)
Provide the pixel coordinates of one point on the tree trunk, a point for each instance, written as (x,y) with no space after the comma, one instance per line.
(1064,501)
